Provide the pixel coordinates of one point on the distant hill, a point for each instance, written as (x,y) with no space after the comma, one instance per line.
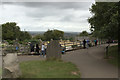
(35,32)
(71,34)
(67,34)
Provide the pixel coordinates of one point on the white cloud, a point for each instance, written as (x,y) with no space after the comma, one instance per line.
(44,17)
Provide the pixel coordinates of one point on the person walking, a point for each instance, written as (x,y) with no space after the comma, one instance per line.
(31,48)
(88,43)
(43,49)
(95,41)
(84,43)
(37,49)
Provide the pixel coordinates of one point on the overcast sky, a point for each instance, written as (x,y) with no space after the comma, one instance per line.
(41,16)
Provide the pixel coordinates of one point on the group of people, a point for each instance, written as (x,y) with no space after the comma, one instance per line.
(88,43)
(41,50)
(34,48)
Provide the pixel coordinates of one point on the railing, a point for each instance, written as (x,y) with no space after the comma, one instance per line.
(25,49)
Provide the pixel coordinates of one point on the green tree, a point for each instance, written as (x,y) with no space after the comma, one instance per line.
(10,31)
(53,34)
(84,33)
(24,35)
(104,22)
(48,35)
(58,34)
(39,37)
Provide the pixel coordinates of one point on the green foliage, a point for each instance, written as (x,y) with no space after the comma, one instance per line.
(84,33)
(48,35)
(71,39)
(10,31)
(53,34)
(113,54)
(0,71)
(58,34)
(24,36)
(104,22)
(39,37)
(0,33)
(10,42)
(34,41)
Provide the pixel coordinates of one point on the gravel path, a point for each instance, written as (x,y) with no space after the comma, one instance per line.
(91,63)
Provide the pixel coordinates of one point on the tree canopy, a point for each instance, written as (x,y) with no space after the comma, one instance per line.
(53,34)
(104,22)
(84,33)
(10,31)
(39,36)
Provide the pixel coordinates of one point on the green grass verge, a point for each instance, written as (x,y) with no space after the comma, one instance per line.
(113,55)
(0,72)
(49,69)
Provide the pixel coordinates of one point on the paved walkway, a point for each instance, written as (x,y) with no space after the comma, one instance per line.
(91,63)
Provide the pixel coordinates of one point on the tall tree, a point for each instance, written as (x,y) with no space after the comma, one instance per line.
(24,35)
(119,33)
(10,31)
(104,22)
(48,35)
(58,34)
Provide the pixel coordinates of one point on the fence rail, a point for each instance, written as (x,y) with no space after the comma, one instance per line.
(25,49)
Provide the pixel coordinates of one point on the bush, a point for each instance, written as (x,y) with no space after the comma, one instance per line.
(10,42)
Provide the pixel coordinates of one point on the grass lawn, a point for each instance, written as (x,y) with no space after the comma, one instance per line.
(0,72)
(49,69)
(113,55)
